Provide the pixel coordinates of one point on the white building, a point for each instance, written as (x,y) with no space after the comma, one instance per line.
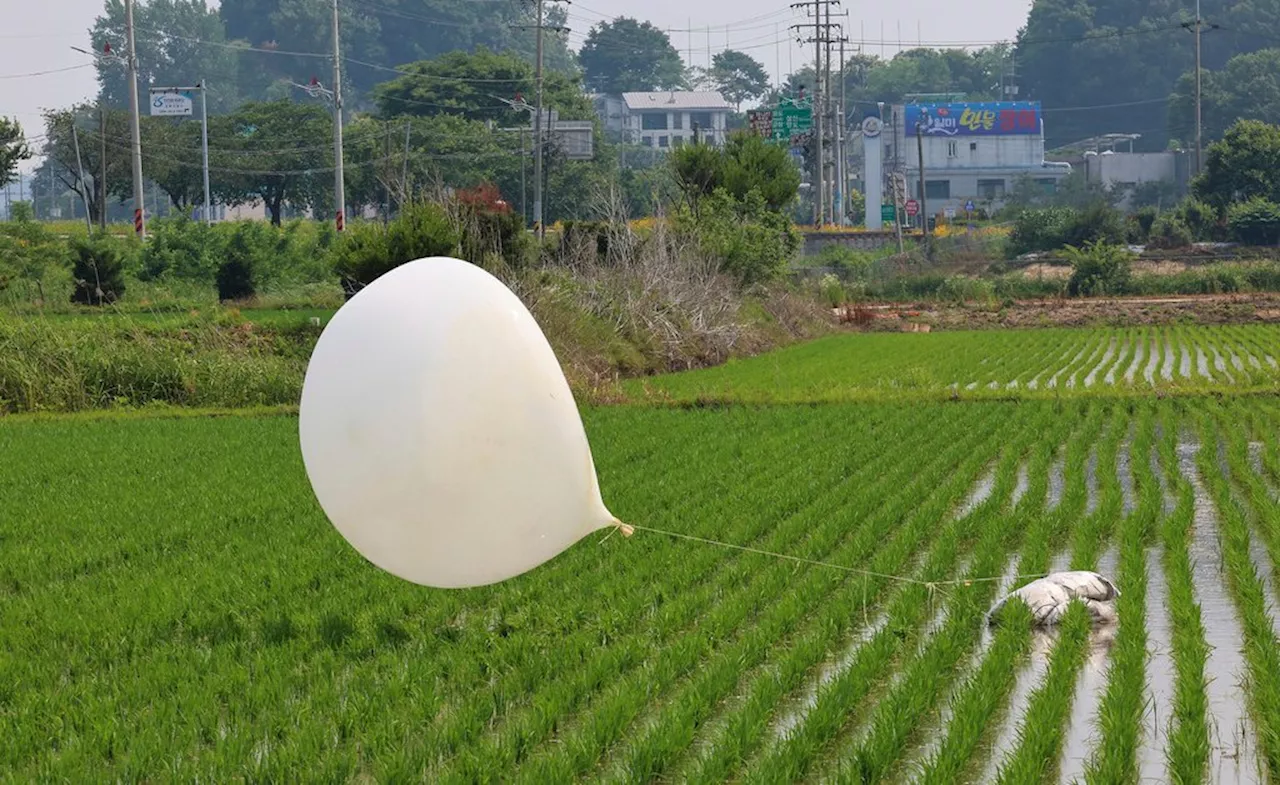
(668,119)
(973,152)
(1124,172)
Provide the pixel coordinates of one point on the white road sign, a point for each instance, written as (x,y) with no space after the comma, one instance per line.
(172,103)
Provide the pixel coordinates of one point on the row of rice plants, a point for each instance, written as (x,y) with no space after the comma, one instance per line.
(1043,728)
(979,700)
(925,677)
(1262,649)
(831,711)
(695,593)
(1121,710)
(581,747)
(1188,730)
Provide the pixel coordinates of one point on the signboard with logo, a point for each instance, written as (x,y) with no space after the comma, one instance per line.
(888,213)
(1004,118)
(968,206)
(172,103)
(872,126)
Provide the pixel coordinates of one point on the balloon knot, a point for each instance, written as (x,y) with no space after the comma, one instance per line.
(626,530)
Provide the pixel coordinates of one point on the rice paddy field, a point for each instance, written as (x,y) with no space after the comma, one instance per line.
(175,607)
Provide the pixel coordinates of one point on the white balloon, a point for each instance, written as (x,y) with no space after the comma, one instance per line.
(439,433)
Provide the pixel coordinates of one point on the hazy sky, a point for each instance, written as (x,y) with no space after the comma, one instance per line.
(38,36)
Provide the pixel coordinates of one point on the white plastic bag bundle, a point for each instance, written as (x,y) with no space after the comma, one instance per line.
(1050,597)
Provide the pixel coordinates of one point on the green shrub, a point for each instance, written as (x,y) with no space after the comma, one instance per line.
(1098,268)
(960,289)
(831,289)
(847,262)
(237,277)
(1169,231)
(576,236)
(1255,222)
(181,248)
(1041,229)
(368,250)
(1200,219)
(749,241)
(1098,223)
(1144,219)
(97,270)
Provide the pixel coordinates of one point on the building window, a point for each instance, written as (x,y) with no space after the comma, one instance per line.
(701,120)
(951,150)
(677,121)
(937,189)
(1047,185)
(648,141)
(677,141)
(990,190)
(653,121)
(973,147)
(662,141)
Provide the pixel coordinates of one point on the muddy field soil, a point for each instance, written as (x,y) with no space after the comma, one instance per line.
(1065,312)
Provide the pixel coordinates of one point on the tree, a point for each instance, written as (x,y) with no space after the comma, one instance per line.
(1246,88)
(738,76)
(381,35)
(13,148)
(626,56)
(275,151)
(746,164)
(470,84)
(1244,165)
(179,42)
(60,147)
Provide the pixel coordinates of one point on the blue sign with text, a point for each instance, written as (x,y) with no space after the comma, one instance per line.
(1006,118)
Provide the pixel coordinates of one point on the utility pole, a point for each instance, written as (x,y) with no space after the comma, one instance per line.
(842,165)
(924,209)
(822,35)
(339,189)
(538,141)
(138,221)
(84,184)
(204,149)
(102,166)
(1199,139)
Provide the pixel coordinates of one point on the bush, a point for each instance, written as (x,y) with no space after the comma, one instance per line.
(237,277)
(97,270)
(1098,223)
(960,289)
(181,248)
(1200,219)
(1255,222)
(1169,232)
(1144,219)
(847,262)
(1098,268)
(749,241)
(369,250)
(1042,229)
(589,236)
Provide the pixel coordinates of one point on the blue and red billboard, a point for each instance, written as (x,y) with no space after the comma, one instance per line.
(1004,118)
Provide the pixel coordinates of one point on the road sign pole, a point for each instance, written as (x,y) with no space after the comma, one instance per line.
(204,145)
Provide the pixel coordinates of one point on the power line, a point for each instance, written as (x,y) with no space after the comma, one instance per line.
(46,73)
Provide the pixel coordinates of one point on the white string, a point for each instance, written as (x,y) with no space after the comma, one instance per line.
(831,565)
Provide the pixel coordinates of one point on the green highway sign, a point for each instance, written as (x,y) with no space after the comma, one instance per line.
(888,213)
(791,120)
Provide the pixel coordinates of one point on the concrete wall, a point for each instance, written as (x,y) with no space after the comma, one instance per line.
(639,135)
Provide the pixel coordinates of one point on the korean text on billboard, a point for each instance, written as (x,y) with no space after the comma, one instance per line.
(976,119)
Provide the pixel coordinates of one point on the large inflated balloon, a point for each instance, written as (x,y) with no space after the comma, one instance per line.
(439,433)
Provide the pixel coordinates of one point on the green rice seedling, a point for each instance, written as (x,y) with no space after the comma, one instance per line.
(1121,710)
(1262,650)
(1188,732)
(1041,730)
